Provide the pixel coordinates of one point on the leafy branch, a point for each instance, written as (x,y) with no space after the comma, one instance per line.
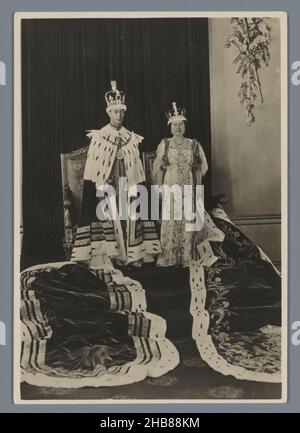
(252,37)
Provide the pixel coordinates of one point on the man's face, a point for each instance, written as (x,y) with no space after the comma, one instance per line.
(116,117)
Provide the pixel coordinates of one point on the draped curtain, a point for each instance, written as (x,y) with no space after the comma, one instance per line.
(67,66)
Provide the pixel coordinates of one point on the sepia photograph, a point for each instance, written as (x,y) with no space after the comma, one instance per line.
(150,207)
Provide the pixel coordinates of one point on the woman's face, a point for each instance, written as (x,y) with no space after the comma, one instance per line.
(178,128)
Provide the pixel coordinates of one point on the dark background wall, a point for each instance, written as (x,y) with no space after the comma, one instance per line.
(67,66)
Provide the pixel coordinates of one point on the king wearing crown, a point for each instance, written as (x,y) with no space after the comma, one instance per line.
(113,154)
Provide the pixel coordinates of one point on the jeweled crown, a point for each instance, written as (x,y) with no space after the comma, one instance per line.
(176,114)
(115,98)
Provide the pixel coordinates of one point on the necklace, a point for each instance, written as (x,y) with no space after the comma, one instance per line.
(177,143)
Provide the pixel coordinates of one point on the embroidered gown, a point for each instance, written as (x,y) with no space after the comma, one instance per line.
(181,165)
(113,154)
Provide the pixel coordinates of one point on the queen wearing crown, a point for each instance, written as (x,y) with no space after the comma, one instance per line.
(113,154)
(179,161)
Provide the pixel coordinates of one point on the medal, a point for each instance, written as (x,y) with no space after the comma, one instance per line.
(120,154)
(119,151)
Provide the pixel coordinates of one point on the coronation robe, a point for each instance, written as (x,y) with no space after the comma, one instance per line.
(113,154)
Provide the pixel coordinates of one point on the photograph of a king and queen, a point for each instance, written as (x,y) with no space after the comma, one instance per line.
(151,178)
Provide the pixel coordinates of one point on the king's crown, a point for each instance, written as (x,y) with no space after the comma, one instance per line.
(115,98)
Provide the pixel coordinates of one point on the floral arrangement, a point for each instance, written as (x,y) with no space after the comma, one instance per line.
(252,37)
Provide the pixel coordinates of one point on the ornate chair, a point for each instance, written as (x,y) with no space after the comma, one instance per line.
(72,167)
